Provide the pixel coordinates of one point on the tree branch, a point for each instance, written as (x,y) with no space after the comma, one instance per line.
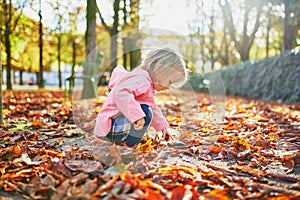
(228,19)
(102,19)
(19,16)
(256,26)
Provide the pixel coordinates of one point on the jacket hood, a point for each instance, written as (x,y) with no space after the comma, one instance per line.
(118,73)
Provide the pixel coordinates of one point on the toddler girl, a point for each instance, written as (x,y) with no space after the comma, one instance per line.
(130,107)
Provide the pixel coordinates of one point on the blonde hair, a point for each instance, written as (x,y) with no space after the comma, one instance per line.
(165,62)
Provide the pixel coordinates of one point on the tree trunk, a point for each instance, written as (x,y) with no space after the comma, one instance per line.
(40,79)
(113,52)
(8,14)
(1,101)
(113,37)
(59,60)
(113,31)
(212,41)
(135,57)
(21,77)
(125,40)
(226,47)
(73,56)
(88,91)
(135,52)
(125,53)
(269,26)
(290,29)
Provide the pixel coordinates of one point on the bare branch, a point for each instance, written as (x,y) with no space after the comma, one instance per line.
(102,19)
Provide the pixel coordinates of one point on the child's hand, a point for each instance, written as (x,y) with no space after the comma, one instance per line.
(139,124)
(167,136)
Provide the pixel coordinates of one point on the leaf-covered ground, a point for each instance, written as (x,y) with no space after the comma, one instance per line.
(252,154)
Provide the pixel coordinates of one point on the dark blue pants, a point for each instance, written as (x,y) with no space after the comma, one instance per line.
(123,131)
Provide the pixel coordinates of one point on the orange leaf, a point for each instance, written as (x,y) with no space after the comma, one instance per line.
(215,149)
(17,149)
(289,163)
(178,193)
(37,124)
(150,195)
(285,197)
(173,120)
(217,195)
(129,178)
(224,139)
(185,134)
(177,169)
(146,147)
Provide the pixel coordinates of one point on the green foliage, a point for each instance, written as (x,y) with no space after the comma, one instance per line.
(24,45)
(272,79)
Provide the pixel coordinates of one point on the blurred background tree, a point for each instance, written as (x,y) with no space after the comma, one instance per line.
(291,23)
(10,15)
(221,33)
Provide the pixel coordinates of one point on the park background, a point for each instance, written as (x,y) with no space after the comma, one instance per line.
(46,42)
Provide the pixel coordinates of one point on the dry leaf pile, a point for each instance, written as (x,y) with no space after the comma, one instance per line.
(252,154)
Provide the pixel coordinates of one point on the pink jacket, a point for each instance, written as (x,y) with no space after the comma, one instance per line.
(128,91)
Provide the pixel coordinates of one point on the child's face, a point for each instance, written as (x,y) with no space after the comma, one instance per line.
(160,87)
(163,82)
